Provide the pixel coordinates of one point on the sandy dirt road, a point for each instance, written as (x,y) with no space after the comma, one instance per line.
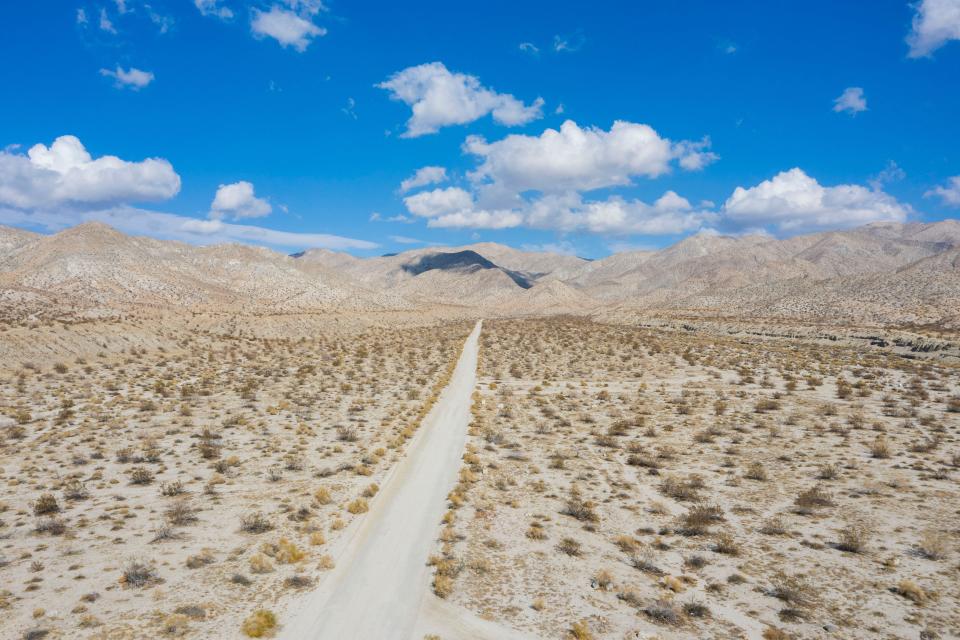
(381,579)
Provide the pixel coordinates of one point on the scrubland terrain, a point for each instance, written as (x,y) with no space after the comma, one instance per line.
(632,483)
(174,492)
(736,437)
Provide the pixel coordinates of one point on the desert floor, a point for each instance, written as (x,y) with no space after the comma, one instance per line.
(627,483)
(176,491)
(617,482)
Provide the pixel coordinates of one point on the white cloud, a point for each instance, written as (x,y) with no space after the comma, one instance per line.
(105,23)
(567,212)
(792,201)
(175,227)
(350,109)
(289,28)
(478,219)
(668,215)
(236,201)
(440,98)
(121,6)
(576,158)
(890,173)
(164,23)
(66,174)
(82,17)
(406,240)
(949,193)
(213,8)
(568,44)
(851,100)
(694,156)
(429,204)
(935,23)
(135,79)
(423,177)
(529,47)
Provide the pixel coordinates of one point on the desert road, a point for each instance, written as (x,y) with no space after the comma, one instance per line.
(381,580)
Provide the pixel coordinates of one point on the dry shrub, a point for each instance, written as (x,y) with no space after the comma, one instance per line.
(663,611)
(854,537)
(259,624)
(570,547)
(138,573)
(75,490)
(286,552)
(726,544)
(255,523)
(698,520)
(813,498)
(912,591)
(774,526)
(603,579)
(358,506)
(45,505)
(141,476)
(581,631)
(582,510)
(259,563)
(536,532)
(756,471)
(679,489)
(880,448)
(794,590)
(180,513)
(322,495)
(627,544)
(646,563)
(934,545)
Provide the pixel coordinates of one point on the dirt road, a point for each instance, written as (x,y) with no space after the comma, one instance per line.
(381,577)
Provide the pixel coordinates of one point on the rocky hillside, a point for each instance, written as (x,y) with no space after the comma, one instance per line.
(876,274)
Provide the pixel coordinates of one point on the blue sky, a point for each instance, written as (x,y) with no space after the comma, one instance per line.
(291,123)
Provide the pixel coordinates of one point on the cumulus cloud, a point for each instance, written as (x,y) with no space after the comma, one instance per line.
(423,177)
(792,201)
(170,226)
(291,27)
(567,212)
(213,8)
(237,201)
(538,182)
(948,193)
(576,158)
(669,215)
(935,23)
(65,174)
(851,100)
(132,78)
(429,204)
(441,98)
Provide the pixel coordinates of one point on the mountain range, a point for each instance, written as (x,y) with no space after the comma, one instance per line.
(882,273)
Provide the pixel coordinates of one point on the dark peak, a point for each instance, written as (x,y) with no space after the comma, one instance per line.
(466,260)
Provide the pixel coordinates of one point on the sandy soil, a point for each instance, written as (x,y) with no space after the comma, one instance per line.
(629,483)
(173,491)
(381,575)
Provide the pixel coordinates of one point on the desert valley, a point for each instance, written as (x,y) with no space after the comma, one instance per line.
(543,320)
(729,437)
